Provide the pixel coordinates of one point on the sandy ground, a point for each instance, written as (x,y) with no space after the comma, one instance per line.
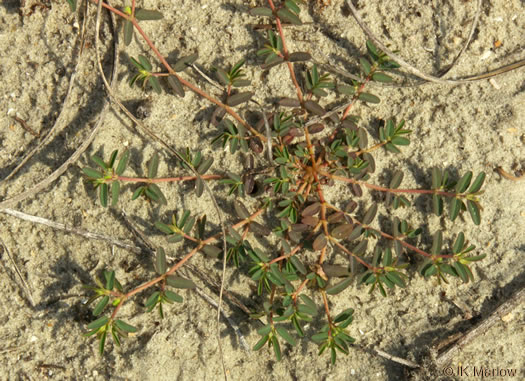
(478,127)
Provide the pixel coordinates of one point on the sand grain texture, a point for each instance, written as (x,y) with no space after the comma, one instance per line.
(475,127)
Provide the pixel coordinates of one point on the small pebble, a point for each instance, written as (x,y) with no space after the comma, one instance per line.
(485,55)
(494,84)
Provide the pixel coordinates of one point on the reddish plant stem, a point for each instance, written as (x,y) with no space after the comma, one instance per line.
(383,189)
(358,92)
(319,189)
(166,179)
(352,254)
(189,85)
(327,311)
(370,149)
(296,293)
(285,51)
(388,236)
(179,264)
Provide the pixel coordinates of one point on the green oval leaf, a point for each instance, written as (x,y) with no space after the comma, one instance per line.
(100,322)
(370,214)
(369,98)
(437,242)
(285,335)
(437,204)
(464,182)
(175,85)
(115,190)
(122,163)
(239,98)
(276,348)
(112,158)
(147,14)
(459,243)
(396,179)
(381,77)
(261,11)
(125,326)
(138,192)
(339,287)
(436,178)
(92,173)
(160,261)
(98,161)
(128,32)
(292,6)
(173,297)
(461,270)
(184,62)
(152,300)
(288,16)
(395,278)
(144,62)
(104,194)
(261,342)
(153,166)
(345,89)
(314,107)
(205,165)
(101,305)
(478,182)
(179,282)
(155,84)
(473,209)
(400,141)
(455,207)
(365,65)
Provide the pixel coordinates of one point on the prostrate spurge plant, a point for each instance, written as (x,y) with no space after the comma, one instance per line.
(311,149)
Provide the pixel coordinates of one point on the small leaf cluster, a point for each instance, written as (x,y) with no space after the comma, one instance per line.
(145,75)
(315,83)
(387,275)
(335,336)
(101,326)
(139,14)
(456,265)
(106,175)
(441,181)
(160,297)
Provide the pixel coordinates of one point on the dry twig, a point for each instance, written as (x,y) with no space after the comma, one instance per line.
(508,176)
(69,229)
(518,299)
(24,283)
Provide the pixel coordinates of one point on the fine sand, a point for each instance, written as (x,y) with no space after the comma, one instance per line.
(477,126)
